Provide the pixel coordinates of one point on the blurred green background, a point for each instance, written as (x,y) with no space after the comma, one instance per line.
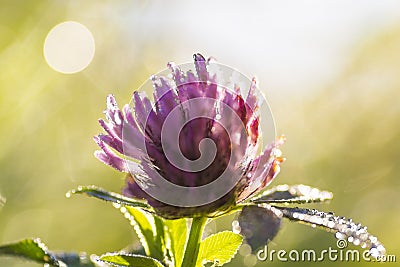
(330,69)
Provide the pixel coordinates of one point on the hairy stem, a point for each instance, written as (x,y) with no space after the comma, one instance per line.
(193,244)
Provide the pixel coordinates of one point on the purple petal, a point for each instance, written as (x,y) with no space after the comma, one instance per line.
(110,158)
(114,115)
(177,73)
(112,142)
(201,68)
(164,97)
(251,99)
(264,169)
(110,129)
(141,109)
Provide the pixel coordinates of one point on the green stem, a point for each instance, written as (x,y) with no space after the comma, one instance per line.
(193,244)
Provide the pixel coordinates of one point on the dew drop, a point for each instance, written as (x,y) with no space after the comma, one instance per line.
(340,235)
(373,239)
(236,227)
(374,252)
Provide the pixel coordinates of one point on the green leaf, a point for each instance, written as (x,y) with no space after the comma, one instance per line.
(219,248)
(177,232)
(120,259)
(150,230)
(35,250)
(31,249)
(293,194)
(103,194)
(159,241)
(344,229)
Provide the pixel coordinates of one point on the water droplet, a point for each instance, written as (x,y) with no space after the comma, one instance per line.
(340,235)
(374,252)
(236,227)
(381,248)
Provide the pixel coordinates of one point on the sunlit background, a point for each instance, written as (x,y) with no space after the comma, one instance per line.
(330,70)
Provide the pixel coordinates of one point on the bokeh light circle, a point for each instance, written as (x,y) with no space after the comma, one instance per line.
(69,47)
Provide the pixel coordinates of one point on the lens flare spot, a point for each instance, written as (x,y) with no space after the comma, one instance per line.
(69,47)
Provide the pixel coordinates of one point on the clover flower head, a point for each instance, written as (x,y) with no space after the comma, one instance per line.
(194,150)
